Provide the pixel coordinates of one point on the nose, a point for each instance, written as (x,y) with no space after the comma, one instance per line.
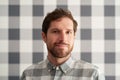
(63,36)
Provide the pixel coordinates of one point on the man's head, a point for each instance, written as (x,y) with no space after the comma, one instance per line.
(56,14)
(58,32)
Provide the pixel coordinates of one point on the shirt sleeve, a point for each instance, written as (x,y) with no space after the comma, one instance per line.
(99,75)
(23,77)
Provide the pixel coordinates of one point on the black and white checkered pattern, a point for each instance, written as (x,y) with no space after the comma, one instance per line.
(97,40)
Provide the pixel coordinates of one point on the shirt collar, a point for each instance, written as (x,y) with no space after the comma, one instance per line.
(65,67)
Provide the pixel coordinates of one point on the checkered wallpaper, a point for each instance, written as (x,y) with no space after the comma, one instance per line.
(97,39)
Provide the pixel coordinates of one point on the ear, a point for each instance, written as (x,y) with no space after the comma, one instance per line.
(44,37)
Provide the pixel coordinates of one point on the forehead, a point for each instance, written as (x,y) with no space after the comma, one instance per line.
(62,23)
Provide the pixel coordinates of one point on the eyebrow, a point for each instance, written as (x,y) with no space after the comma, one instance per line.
(59,29)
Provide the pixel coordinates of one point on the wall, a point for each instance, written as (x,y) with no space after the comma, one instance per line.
(97,40)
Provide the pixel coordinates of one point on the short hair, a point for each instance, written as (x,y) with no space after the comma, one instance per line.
(56,14)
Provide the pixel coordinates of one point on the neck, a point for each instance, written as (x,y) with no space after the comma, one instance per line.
(58,61)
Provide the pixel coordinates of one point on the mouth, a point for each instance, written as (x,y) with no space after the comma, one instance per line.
(63,45)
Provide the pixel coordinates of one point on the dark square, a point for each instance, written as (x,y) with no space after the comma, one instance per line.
(85,34)
(109,77)
(37,57)
(13,78)
(109,34)
(109,10)
(37,34)
(14,10)
(14,58)
(38,10)
(86,10)
(14,34)
(86,56)
(110,57)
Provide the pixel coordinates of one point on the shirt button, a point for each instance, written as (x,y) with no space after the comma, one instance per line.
(57,68)
(49,70)
(65,71)
(53,67)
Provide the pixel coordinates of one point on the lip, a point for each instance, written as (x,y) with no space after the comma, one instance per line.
(61,45)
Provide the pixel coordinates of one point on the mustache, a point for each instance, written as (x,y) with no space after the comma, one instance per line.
(62,43)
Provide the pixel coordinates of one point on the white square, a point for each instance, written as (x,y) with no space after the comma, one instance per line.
(98,57)
(109,46)
(3,69)
(85,46)
(117,34)
(97,2)
(72,2)
(76,47)
(50,2)
(97,34)
(117,45)
(117,2)
(98,11)
(85,22)
(117,22)
(26,46)
(75,10)
(97,22)
(26,2)
(49,8)
(26,34)
(117,69)
(26,22)
(26,10)
(110,70)
(4,2)
(4,45)
(37,22)
(3,22)
(77,34)
(26,58)
(117,11)
(97,45)
(117,57)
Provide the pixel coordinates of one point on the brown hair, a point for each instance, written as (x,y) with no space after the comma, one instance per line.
(56,14)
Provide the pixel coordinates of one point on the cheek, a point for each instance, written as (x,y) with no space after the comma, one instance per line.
(71,40)
(51,40)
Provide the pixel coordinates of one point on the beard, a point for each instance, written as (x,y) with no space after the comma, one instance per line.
(60,52)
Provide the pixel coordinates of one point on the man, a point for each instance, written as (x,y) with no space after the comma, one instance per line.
(58,32)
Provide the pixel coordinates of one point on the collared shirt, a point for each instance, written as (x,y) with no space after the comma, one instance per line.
(70,70)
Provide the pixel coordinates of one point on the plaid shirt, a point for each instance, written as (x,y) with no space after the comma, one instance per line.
(70,70)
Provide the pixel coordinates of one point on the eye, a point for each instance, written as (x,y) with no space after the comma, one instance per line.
(69,32)
(54,31)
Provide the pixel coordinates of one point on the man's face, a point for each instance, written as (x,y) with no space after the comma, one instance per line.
(60,37)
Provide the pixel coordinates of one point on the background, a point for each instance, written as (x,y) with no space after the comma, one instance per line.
(97,40)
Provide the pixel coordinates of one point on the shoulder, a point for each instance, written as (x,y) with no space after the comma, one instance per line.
(85,65)
(89,69)
(37,66)
(29,71)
